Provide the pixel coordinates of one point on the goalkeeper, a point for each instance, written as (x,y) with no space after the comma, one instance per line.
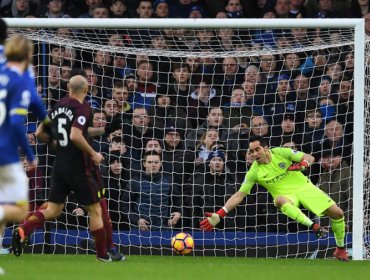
(279,171)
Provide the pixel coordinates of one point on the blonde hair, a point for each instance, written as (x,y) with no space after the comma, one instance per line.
(203,137)
(18,48)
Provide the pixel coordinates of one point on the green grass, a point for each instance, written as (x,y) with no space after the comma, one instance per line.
(71,267)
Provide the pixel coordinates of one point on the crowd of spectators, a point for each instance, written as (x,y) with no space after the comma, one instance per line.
(181,144)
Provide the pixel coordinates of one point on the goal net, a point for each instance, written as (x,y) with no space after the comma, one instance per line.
(195,95)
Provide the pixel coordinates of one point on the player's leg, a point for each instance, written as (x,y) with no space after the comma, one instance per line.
(36,220)
(98,231)
(338,226)
(87,192)
(112,250)
(13,193)
(288,205)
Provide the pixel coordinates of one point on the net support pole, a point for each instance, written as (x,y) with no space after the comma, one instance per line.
(358,143)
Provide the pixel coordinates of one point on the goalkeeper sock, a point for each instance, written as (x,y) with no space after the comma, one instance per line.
(107,223)
(100,242)
(36,220)
(338,227)
(296,214)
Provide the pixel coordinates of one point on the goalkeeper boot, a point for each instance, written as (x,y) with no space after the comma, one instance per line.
(341,254)
(18,241)
(115,255)
(105,258)
(319,231)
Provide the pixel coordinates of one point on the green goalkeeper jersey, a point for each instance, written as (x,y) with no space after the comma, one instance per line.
(274,176)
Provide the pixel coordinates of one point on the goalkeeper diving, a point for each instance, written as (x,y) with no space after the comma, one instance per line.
(279,171)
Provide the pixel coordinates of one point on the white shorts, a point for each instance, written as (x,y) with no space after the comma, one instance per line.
(13,184)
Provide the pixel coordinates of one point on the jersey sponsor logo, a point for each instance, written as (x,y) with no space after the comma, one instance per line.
(81,120)
(294,151)
(282,165)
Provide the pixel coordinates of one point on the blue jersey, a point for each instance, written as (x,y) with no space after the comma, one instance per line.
(14,102)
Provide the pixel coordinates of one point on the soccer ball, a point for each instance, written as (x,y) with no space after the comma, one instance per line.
(182,243)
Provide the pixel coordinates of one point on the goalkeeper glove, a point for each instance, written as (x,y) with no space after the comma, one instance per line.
(212,219)
(299,166)
(113,126)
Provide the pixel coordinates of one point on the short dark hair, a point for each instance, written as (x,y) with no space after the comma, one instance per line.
(151,153)
(77,71)
(177,65)
(262,140)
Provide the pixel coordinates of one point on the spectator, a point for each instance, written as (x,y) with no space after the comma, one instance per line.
(345,107)
(282,8)
(334,138)
(91,4)
(144,9)
(197,12)
(17,9)
(110,108)
(139,132)
(165,114)
(65,72)
(180,8)
(268,73)
(335,72)
(229,77)
(326,10)
(115,181)
(259,127)
(336,180)
(121,95)
(367,24)
(203,149)
(146,88)
(96,94)
(147,201)
(69,56)
(55,9)
(297,9)
(100,143)
(57,88)
(313,130)
(102,68)
(287,131)
(215,120)
(211,189)
(200,100)
(238,114)
(328,108)
(161,9)
(118,9)
(180,89)
(283,101)
(56,55)
(234,9)
(348,65)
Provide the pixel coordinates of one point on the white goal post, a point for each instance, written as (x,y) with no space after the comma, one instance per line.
(359,76)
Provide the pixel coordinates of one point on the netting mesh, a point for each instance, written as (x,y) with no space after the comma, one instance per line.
(188,94)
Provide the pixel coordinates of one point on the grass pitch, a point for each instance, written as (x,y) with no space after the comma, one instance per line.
(71,267)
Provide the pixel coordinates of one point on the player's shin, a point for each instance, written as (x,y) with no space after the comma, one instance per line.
(100,242)
(107,223)
(296,214)
(36,220)
(338,227)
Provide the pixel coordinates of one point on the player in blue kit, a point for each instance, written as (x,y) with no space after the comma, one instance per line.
(14,102)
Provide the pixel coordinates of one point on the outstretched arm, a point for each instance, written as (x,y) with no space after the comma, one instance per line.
(214,218)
